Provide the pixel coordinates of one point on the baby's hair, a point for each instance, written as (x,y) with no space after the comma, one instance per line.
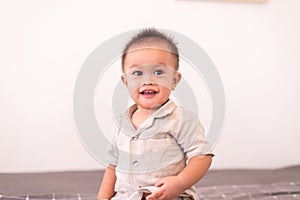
(152,35)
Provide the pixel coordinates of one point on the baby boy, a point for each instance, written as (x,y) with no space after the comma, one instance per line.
(159,150)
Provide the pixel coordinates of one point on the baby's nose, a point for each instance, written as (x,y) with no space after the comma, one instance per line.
(149,83)
(148,80)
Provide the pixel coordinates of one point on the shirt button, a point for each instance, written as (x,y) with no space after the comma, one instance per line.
(135,163)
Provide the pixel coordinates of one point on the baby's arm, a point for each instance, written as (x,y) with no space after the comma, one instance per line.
(107,189)
(172,186)
(195,170)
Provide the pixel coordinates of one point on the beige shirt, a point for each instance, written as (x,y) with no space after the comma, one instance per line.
(160,147)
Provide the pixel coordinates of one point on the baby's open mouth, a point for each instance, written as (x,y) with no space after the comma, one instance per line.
(148,92)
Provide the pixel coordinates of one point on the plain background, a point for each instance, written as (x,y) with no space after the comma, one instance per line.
(255,47)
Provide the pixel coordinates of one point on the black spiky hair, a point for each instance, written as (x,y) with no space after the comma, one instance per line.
(152,35)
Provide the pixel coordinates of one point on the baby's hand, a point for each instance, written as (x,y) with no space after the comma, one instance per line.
(169,188)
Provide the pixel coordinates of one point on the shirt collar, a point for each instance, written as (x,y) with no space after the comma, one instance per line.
(127,126)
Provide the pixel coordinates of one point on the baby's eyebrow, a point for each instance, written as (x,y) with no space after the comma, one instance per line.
(155,65)
(141,66)
(161,64)
(134,65)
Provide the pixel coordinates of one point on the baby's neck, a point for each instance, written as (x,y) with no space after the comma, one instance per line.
(140,115)
(146,111)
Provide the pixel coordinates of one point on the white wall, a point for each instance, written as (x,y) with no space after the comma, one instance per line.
(44,43)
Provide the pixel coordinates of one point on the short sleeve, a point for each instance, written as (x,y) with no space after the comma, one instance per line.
(112,151)
(191,136)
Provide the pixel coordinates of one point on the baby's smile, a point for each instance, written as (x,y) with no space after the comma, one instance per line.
(148,92)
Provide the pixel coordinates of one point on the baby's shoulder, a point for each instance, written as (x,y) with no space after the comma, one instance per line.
(184,114)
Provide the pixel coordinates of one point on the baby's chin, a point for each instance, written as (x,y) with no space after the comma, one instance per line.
(148,106)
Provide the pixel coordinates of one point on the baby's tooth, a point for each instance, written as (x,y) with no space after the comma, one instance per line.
(149,92)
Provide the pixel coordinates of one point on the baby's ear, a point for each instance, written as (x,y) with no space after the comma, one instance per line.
(176,80)
(124,80)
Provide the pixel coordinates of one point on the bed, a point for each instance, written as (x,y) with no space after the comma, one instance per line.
(281,184)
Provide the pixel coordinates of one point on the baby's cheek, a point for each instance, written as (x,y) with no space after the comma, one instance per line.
(133,90)
(134,95)
(164,90)
(134,84)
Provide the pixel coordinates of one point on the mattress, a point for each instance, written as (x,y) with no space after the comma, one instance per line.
(234,184)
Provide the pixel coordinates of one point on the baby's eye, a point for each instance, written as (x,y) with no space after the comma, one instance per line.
(158,72)
(137,73)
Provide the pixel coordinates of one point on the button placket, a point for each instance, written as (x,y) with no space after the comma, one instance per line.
(133,163)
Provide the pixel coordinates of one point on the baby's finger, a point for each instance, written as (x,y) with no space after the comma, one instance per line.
(155,195)
(159,183)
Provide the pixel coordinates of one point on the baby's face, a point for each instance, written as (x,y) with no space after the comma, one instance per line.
(149,75)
